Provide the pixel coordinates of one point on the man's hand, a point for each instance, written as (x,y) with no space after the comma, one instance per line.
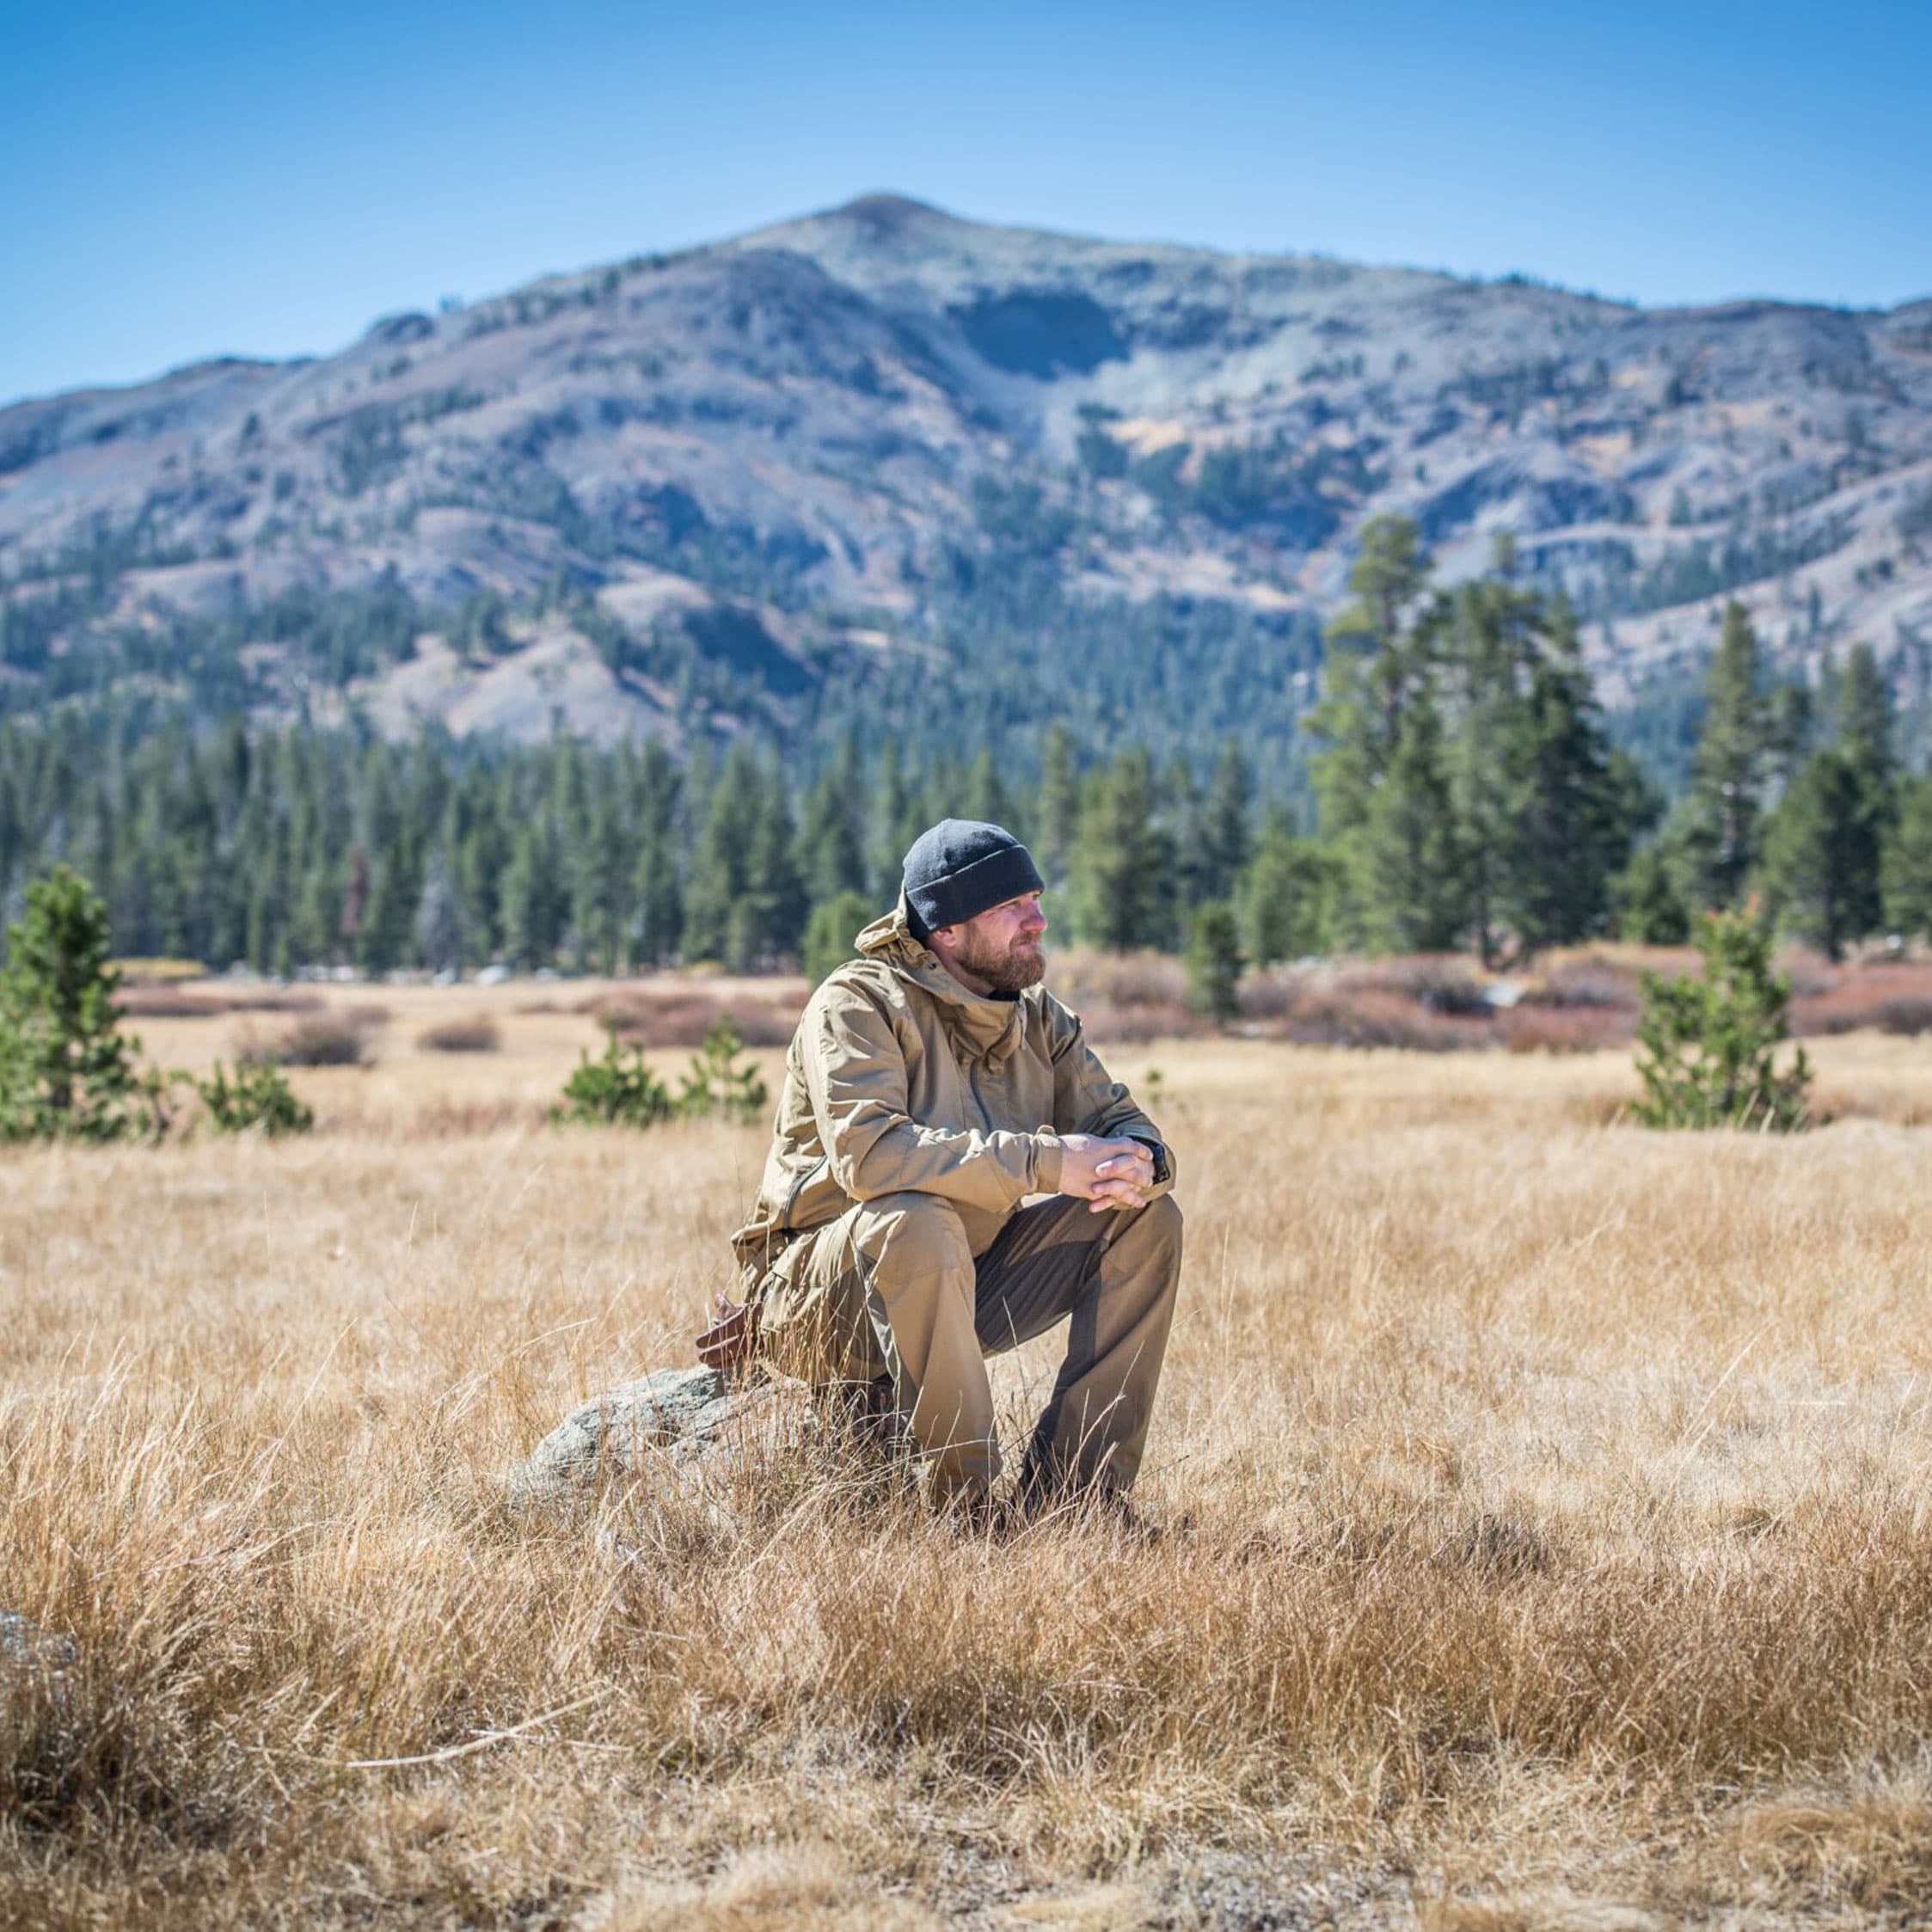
(1106,1173)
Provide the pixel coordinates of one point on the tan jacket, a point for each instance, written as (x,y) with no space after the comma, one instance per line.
(901,1080)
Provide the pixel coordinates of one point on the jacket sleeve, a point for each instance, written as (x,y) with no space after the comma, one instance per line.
(1088,1100)
(855,1072)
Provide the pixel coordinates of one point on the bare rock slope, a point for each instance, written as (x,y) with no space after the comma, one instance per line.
(768,452)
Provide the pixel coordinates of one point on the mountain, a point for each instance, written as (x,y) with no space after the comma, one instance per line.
(882,458)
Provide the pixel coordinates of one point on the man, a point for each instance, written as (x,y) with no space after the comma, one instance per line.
(933,1085)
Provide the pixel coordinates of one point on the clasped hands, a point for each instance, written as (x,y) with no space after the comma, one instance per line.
(1105,1174)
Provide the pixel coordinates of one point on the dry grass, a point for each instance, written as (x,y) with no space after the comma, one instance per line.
(1560,1548)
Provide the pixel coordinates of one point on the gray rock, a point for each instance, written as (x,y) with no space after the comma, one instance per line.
(670,1422)
(25,1646)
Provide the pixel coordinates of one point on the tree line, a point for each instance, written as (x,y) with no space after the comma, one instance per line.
(1466,794)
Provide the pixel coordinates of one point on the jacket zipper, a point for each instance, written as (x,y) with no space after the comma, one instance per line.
(797,1189)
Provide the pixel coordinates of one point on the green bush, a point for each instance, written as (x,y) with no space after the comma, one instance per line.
(1707,1047)
(259,1099)
(66,1070)
(717,1086)
(618,1089)
(615,1089)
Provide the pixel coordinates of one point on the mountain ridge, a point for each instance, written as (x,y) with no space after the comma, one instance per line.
(815,428)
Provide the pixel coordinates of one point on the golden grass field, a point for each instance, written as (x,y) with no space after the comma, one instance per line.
(1559,1548)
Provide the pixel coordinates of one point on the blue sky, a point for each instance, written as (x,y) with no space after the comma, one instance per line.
(266,179)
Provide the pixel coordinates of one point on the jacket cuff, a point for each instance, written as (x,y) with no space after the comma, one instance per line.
(1164,1166)
(1048,1157)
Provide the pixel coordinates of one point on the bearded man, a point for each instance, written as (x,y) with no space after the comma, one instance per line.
(933,1086)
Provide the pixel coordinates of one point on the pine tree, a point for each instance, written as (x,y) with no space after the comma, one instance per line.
(600,865)
(66,1068)
(1718,835)
(1815,861)
(1707,1046)
(1573,805)
(830,931)
(1227,836)
(439,919)
(1648,909)
(1414,898)
(1214,961)
(1378,676)
(532,901)
(1867,724)
(893,806)
(1059,809)
(986,796)
(1908,863)
(1486,647)
(1825,843)
(1390,572)
(772,876)
(657,888)
(1286,896)
(733,809)
(831,835)
(1123,875)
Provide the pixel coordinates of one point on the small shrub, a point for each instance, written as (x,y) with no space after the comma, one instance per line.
(718,1086)
(1347,1018)
(683,1018)
(1811,977)
(761,1023)
(258,1100)
(617,1089)
(1589,984)
(1085,979)
(174,1002)
(477,1035)
(1565,1029)
(1905,1013)
(1140,1024)
(1441,983)
(328,1039)
(1889,997)
(1706,1046)
(1269,996)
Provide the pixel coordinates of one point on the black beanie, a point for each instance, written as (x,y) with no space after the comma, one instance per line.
(960,868)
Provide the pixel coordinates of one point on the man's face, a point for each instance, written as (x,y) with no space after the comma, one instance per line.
(1001,946)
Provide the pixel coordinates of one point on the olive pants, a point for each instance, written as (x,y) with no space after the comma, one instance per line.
(893,1288)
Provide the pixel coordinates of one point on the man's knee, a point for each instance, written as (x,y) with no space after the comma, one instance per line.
(1155,1227)
(1164,1211)
(913,1234)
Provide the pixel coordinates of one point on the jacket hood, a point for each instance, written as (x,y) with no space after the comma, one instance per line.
(982,1028)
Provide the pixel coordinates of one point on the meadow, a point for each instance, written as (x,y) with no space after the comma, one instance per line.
(1549,1540)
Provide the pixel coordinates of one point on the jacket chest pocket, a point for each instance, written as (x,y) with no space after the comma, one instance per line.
(1016,1096)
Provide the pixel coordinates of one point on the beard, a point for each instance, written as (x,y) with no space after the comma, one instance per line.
(1018,966)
